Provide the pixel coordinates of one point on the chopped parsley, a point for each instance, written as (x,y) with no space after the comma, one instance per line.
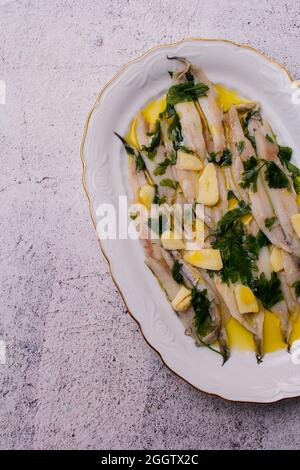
(230,195)
(225,160)
(270,139)
(296,184)
(230,216)
(174,132)
(128,148)
(250,174)
(240,146)
(245,123)
(248,116)
(186,149)
(168,111)
(270,222)
(169,183)
(162,167)
(275,177)
(155,141)
(268,291)
(250,163)
(183,92)
(139,162)
(239,251)
(157,199)
(201,304)
(176,272)
(285,155)
(173,157)
(261,240)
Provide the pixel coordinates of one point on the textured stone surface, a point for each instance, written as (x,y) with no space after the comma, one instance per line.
(78,372)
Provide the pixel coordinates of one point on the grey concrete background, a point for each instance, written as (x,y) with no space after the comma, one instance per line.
(78,373)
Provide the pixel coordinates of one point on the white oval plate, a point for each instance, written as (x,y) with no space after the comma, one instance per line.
(105,179)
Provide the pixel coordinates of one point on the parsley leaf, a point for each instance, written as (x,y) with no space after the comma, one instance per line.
(155,141)
(186,149)
(176,272)
(270,222)
(248,116)
(261,240)
(250,163)
(183,92)
(296,184)
(275,177)
(201,304)
(173,157)
(174,132)
(238,251)
(285,153)
(245,123)
(268,291)
(240,146)
(230,216)
(270,139)
(139,162)
(225,160)
(250,174)
(162,167)
(167,112)
(230,195)
(157,199)
(169,183)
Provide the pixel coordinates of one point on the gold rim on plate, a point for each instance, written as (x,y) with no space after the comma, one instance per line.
(244,46)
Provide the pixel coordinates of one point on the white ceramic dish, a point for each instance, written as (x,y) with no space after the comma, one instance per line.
(105,167)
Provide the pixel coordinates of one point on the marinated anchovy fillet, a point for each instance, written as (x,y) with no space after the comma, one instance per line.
(188,180)
(276,183)
(260,202)
(211,119)
(240,256)
(156,162)
(212,112)
(216,330)
(280,306)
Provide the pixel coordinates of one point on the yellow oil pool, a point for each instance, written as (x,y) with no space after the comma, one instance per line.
(239,338)
(228,97)
(151,113)
(131,136)
(153,109)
